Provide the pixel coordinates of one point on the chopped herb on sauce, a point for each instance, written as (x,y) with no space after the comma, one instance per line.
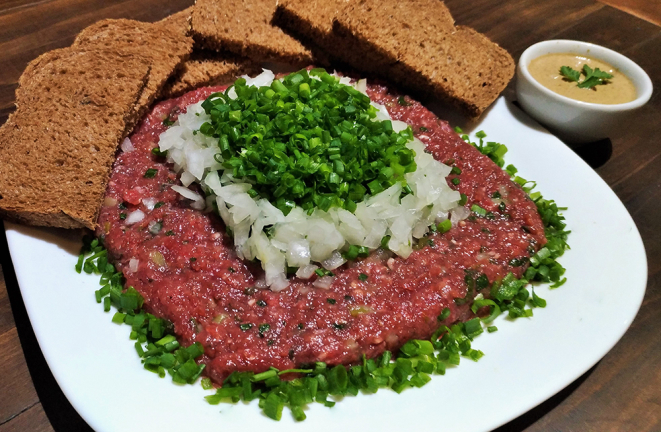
(593,77)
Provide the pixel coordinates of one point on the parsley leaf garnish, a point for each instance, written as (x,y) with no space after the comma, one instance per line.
(569,73)
(593,77)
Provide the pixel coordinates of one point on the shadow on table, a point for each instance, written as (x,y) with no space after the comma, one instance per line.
(62,416)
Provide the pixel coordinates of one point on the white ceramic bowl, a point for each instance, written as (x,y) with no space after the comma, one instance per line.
(572,120)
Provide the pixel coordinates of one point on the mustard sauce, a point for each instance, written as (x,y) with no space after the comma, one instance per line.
(546,70)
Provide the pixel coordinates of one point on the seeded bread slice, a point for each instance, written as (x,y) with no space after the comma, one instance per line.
(410,42)
(244,28)
(164,44)
(57,148)
(206,68)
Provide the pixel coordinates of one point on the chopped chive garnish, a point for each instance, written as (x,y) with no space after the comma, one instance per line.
(157,152)
(263,328)
(444,226)
(332,158)
(331,301)
(245,327)
(456,181)
(323,272)
(478,210)
(363,277)
(150,173)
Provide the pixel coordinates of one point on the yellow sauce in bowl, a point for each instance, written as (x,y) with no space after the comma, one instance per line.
(546,70)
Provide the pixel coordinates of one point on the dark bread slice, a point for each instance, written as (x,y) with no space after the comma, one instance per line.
(311,21)
(164,44)
(205,68)
(410,42)
(244,28)
(57,148)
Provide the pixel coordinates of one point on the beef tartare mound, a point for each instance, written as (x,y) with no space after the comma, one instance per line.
(183,262)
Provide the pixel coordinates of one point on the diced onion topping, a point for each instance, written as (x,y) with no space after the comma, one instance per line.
(135,217)
(127,145)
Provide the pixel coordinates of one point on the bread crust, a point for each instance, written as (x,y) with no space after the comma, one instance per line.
(244,28)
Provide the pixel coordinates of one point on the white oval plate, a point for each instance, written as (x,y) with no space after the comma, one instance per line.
(526,362)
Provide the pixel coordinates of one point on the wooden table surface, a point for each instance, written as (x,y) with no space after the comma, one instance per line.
(621,393)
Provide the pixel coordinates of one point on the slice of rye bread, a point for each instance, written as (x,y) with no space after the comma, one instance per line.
(57,148)
(164,44)
(205,68)
(244,28)
(311,21)
(412,43)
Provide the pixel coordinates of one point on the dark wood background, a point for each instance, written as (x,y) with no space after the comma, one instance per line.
(621,393)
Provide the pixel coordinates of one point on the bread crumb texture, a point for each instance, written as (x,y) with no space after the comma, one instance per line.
(244,28)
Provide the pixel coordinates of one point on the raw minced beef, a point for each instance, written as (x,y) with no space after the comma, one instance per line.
(182,261)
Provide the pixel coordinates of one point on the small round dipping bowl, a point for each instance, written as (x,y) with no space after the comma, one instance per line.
(575,121)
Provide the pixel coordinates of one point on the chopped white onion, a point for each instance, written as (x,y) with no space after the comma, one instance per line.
(199,203)
(127,145)
(133,265)
(135,217)
(334,261)
(324,282)
(307,271)
(458,214)
(150,203)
